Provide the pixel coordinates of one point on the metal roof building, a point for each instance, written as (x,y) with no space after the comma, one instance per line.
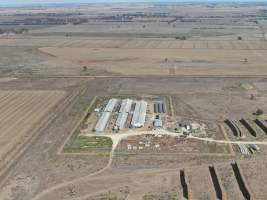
(163,108)
(139,115)
(110,106)
(126,105)
(159,107)
(125,108)
(158,123)
(156,110)
(104,118)
(102,122)
(121,120)
(262,124)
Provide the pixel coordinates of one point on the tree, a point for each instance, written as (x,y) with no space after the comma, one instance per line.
(180,38)
(245,60)
(84,68)
(252,97)
(259,112)
(71,191)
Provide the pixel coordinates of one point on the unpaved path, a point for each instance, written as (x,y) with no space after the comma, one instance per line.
(116,138)
(229,141)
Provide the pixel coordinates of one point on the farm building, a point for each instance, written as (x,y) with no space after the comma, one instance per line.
(121,120)
(123,113)
(102,122)
(159,107)
(126,105)
(104,118)
(139,115)
(110,106)
(185,126)
(262,124)
(158,123)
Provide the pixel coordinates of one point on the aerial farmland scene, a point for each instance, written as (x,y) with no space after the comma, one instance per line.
(133,100)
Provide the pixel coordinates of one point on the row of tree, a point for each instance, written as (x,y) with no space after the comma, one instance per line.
(14,30)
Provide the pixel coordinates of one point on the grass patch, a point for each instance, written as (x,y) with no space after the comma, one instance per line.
(83,144)
(246,86)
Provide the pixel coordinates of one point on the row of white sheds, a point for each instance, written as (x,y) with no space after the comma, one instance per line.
(125,108)
(138,119)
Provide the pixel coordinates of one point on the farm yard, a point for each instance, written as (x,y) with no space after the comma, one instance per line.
(85,156)
(162,144)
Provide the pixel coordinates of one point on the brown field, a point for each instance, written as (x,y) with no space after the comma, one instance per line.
(21,111)
(152,61)
(202,191)
(134,43)
(229,182)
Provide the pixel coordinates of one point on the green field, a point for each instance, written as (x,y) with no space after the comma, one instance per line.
(84,144)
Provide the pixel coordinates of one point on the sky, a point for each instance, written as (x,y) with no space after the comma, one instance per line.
(43,2)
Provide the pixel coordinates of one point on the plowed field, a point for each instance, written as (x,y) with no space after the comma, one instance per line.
(20,113)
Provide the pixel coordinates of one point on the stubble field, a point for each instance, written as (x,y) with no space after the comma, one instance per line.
(20,112)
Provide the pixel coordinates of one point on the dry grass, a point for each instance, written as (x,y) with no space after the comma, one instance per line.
(152,61)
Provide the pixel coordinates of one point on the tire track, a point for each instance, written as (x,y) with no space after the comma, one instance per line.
(11,113)
(11,98)
(28,118)
(5,130)
(46,122)
(19,103)
(26,114)
(5,96)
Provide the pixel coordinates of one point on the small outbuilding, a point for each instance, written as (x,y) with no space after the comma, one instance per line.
(185,126)
(158,123)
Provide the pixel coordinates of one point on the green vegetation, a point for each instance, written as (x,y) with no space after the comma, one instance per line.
(246,86)
(84,144)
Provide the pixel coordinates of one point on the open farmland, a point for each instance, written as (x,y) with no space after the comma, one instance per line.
(164,61)
(133,101)
(21,112)
(134,43)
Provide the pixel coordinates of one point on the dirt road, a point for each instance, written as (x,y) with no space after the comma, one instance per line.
(116,138)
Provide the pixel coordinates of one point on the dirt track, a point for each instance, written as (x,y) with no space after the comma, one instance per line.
(116,138)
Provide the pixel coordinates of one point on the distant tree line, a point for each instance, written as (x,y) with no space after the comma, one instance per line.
(180,38)
(13,30)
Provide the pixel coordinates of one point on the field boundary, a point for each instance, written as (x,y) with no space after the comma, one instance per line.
(60,150)
(221,127)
